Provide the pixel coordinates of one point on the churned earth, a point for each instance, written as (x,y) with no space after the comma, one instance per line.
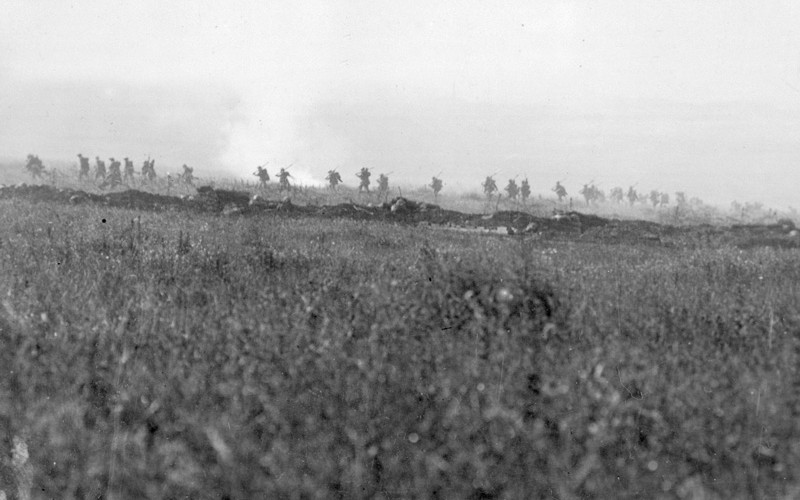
(569,225)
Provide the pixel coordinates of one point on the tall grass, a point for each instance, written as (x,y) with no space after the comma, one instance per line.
(175,355)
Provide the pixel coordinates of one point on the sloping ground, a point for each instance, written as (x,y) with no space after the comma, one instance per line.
(569,225)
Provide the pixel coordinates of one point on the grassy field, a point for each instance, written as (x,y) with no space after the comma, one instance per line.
(177,355)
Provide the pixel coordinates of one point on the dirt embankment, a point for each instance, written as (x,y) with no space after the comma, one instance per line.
(564,225)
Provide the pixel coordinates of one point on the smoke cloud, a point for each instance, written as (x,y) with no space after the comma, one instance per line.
(173,124)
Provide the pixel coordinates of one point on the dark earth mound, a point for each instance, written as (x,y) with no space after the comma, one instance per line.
(566,225)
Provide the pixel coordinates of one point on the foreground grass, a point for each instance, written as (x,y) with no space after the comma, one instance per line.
(178,356)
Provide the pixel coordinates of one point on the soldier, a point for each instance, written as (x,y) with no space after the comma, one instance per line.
(114,173)
(83,167)
(129,171)
(149,169)
(188,175)
(383,185)
(597,194)
(489,186)
(560,191)
(525,190)
(364,176)
(588,193)
(333,179)
(263,176)
(34,166)
(99,169)
(617,194)
(654,198)
(632,196)
(283,180)
(436,185)
(512,189)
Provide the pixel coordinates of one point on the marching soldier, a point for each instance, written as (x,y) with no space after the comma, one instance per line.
(489,186)
(364,176)
(283,180)
(588,193)
(560,191)
(83,171)
(632,196)
(34,166)
(129,171)
(333,178)
(99,169)
(512,189)
(525,190)
(188,175)
(263,176)
(436,185)
(655,198)
(114,173)
(617,195)
(151,169)
(383,185)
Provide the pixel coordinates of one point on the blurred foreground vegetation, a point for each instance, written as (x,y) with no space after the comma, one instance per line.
(197,356)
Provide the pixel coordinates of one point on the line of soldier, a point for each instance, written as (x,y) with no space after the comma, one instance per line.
(283,178)
(114,175)
(334,178)
(514,191)
(590,192)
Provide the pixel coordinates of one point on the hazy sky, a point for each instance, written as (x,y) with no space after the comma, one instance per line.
(693,95)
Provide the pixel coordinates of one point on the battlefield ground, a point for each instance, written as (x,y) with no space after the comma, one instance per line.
(157,342)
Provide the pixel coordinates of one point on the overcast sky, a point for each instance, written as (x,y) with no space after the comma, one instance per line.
(680,95)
